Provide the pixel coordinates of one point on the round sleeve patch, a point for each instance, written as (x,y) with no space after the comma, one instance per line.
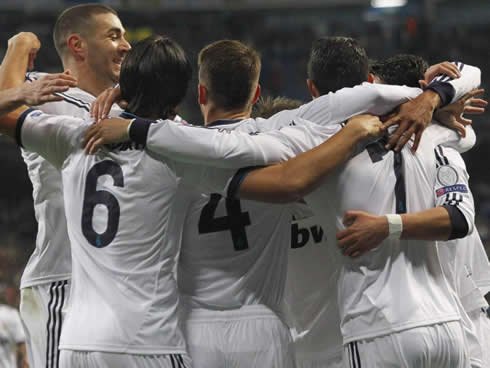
(447,175)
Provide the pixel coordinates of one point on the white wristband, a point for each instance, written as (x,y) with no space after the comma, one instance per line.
(129,127)
(395,226)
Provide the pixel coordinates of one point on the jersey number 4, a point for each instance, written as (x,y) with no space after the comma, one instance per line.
(235,220)
(94,197)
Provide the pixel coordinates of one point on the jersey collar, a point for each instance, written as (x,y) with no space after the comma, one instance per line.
(223,122)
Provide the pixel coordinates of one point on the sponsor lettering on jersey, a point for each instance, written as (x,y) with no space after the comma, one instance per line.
(461,188)
(301,236)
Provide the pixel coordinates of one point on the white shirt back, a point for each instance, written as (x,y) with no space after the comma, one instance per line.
(119,204)
(311,289)
(51,259)
(399,284)
(234,252)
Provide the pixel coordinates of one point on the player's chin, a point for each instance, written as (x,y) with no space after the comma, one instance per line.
(116,71)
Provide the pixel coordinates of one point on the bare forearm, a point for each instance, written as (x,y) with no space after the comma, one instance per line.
(14,65)
(433,224)
(10,100)
(11,107)
(366,231)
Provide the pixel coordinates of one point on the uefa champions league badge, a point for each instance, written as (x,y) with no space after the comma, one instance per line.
(446,175)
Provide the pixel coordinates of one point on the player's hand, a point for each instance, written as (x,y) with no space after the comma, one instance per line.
(101,107)
(364,232)
(412,118)
(45,89)
(447,68)
(105,132)
(452,115)
(367,126)
(29,42)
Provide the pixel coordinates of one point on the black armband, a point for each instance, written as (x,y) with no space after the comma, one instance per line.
(18,126)
(445,91)
(138,131)
(459,225)
(237,180)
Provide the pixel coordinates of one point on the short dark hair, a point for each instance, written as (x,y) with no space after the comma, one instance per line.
(402,69)
(154,77)
(229,69)
(77,19)
(337,62)
(268,106)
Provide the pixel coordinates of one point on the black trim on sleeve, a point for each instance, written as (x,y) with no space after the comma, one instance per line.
(138,132)
(459,224)
(237,180)
(18,127)
(444,90)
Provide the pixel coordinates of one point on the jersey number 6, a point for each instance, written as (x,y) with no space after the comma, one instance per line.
(94,197)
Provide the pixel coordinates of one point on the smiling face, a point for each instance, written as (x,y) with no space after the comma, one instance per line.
(106,47)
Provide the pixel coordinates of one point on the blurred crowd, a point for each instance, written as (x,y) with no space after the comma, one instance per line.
(283,38)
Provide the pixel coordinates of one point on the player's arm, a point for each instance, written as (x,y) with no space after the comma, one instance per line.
(191,144)
(366,231)
(52,137)
(20,55)
(414,116)
(415,111)
(451,218)
(14,100)
(293,179)
(452,116)
(14,94)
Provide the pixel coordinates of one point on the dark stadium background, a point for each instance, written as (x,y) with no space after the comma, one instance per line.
(282,30)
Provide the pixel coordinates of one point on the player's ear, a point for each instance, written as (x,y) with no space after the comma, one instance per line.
(312,88)
(371,78)
(76,45)
(202,94)
(257,94)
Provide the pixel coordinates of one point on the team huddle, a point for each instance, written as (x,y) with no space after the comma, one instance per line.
(333,233)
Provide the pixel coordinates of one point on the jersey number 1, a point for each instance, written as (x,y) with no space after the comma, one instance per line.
(94,197)
(235,221)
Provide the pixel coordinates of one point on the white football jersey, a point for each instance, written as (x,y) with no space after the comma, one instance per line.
(208,147)
(463,259)
(367,182)
(311,289)
(11,334)
(51,259)
(234,253)
(478,264)
(400,284)
(119,204)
